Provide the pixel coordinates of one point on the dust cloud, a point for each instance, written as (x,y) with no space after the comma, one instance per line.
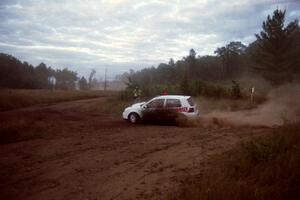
(283,105)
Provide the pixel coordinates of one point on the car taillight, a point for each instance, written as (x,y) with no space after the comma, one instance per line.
(191,110)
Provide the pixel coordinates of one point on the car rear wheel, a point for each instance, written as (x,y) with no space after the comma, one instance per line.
(133,118)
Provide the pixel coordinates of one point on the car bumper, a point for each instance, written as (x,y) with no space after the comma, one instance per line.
(192,115)
(125,115)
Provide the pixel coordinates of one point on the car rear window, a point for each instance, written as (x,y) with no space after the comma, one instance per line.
(173,103)
(191,101)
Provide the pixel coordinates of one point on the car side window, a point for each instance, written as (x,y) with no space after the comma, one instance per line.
(157,103)
(173,103)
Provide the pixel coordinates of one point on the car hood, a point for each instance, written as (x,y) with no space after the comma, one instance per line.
(138,105)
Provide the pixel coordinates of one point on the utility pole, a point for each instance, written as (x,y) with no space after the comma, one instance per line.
(105,79)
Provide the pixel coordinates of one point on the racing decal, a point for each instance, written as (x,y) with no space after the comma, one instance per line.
(183,109)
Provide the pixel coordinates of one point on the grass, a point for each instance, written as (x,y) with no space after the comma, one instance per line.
(263,168)
(207,105)
(114,105)
(12,99)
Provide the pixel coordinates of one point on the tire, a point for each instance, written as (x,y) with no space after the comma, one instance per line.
(133,118)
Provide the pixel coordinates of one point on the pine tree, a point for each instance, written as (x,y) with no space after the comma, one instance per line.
(184,85)
(274,52)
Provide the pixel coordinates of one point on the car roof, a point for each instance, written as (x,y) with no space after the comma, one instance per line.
(172,97)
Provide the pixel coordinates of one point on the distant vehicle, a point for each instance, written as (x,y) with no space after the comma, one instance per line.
(165,107)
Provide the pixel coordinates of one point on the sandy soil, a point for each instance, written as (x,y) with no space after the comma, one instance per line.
(87,154)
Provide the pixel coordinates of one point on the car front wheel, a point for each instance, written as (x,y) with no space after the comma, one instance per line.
(133,118)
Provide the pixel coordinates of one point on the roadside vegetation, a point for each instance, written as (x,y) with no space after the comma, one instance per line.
(207,105)
(12,99)
(266,167)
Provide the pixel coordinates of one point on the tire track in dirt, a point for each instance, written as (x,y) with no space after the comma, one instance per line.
(98,156)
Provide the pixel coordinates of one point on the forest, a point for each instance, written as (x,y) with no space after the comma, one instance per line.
(273,56)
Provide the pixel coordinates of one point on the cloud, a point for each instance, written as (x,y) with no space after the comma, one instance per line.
(123,34)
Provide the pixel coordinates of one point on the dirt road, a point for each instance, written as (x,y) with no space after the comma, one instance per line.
(83,152)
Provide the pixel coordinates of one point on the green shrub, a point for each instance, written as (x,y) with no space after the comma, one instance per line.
(193,88)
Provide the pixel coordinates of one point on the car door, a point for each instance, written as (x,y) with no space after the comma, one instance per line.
(172,106)
(153,109)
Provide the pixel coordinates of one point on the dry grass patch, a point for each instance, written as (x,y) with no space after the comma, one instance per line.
(12,99)
(113,105)
(263,168)
(207,105)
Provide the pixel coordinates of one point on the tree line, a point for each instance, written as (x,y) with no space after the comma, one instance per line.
(22,75)
(274,55)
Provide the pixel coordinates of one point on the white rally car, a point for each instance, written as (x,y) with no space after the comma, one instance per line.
(161,107)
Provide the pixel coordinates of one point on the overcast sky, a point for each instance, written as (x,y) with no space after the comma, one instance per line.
(124,34)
